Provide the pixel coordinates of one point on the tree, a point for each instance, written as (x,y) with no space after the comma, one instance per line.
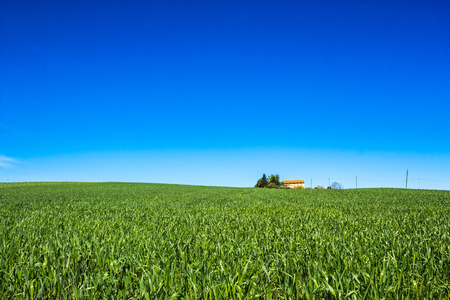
(275,179)
(262,182)
(336,185)
(319,187)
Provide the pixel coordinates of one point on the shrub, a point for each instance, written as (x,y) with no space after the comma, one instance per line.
(273,185)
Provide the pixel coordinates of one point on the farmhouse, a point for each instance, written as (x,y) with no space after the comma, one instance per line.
(294,183)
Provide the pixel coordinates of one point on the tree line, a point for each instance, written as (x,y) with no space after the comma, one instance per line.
(274,182)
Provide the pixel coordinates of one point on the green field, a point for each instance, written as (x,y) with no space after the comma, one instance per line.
(154,241)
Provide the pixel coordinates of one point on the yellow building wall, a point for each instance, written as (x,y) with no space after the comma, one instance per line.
(294,185)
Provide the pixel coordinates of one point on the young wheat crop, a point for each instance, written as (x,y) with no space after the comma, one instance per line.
(153,241)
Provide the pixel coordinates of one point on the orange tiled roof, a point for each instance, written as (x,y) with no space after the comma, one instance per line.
(293,181)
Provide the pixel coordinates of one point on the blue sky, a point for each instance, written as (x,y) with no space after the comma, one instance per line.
(218,92)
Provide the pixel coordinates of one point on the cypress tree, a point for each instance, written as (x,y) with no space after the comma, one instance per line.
(264,181)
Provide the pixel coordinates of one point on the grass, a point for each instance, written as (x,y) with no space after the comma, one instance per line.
(154,241)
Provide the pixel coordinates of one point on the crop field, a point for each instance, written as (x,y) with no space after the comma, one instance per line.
(155,241)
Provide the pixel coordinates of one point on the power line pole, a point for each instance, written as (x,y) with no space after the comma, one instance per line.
(311,183)
(342,182)
(356,181)
(406,178)
(329,184)
(419,183)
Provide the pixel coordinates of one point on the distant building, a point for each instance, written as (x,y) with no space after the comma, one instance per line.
(294,183)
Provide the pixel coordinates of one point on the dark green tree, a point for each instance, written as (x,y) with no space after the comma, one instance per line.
(262,182)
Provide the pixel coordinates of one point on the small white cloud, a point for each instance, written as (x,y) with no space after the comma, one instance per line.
(7,162)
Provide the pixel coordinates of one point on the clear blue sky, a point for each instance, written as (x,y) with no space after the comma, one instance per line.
(219,92)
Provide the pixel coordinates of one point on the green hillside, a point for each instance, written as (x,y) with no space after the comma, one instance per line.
(134,240)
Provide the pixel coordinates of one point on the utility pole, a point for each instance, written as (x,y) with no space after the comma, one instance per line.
(311,183)
(329,184)
(356,181)
(406,186)
(342,183)
(419,183)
